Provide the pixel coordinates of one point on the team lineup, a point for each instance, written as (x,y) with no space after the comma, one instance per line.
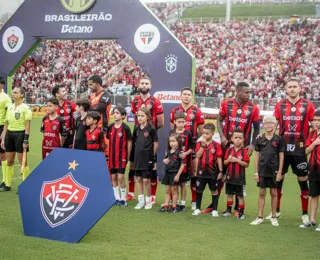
(191,156)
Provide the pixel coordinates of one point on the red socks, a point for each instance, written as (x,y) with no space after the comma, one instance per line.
(154,186)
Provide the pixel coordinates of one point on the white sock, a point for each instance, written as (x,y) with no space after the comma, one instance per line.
(131,193)
(123,194)
(141,199)
(148,200)
(183,202)
(116,193)
(177,202)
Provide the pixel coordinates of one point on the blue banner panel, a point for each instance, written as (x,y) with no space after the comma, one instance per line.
(66,195)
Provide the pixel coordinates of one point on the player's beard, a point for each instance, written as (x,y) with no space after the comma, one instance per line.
(144,92)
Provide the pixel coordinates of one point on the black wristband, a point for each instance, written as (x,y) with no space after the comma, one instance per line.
(26,139)
(220,171)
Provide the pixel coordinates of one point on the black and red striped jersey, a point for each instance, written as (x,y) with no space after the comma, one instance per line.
(118,145)
(94,139)
(314,161)
(236,174)
(294,123)
(52,129)
(208,164)
(152,103)
(66,113)
(186,138)
(239,117)
(194,118)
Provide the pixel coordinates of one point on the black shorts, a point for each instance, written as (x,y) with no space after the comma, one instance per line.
(184,177)
(1,130)
(115,171)
(14,141)
(144,174)
(202,182)
(267,182)
(234,189)
(314,188)
(299,164)
(69,141)
(168,179)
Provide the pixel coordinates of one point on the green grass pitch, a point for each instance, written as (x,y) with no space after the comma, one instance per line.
(125,233)
(247,10)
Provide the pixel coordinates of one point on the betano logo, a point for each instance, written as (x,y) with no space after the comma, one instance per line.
(77,6)
(168,96)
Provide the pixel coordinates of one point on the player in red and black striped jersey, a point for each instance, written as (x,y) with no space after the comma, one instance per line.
(186,137)
(53,129)
(313,148)
(239,113)
(195,122)
(294,116)
(120,144)
(209,154)
(65,110)
(157,118)
(94,135)
(236,159)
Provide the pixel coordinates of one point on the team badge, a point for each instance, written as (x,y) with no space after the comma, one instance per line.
(143,105)
(240,157)
(13,41)
(293,109)
(54,127)
(68,111)
(192,116)
(175,158)
(301,109)
(213,150)
(120,134)
(17,115)
(274,144)
(239,111)
(247,112)
(93,137)
(149,106)
(182,139)
(61,111)
(61,199)
(171,63)
(146,134)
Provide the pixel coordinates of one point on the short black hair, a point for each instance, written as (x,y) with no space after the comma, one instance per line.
(179,115)
(2,80)
(241,85)
(53,101)
(21,89)
(122,110)
(95,115)
(85,103)
(237,131)
(188,89)
(317,113)
(96,79)
(56,88)
(209,126)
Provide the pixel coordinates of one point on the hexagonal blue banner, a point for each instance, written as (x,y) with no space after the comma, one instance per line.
(66,195)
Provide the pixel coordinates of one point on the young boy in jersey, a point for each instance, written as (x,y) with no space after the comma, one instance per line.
(94,135)
(268,167)
(210,170)
(186,137)
(53,129)
(313,148)
(80,127)
(237,159)
(120,144)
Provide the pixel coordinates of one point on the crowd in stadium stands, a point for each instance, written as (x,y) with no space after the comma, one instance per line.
(262,53)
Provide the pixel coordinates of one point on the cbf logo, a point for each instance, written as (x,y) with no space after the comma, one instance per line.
(12,39)
(171,63)
(77,6)
(61,199)
(147,38)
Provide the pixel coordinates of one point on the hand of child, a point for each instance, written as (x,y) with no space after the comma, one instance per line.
(256,177)
(183,155)
(220,175)
(166,161)
(279,177)
(203,143)
(176,178)
(317,141)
